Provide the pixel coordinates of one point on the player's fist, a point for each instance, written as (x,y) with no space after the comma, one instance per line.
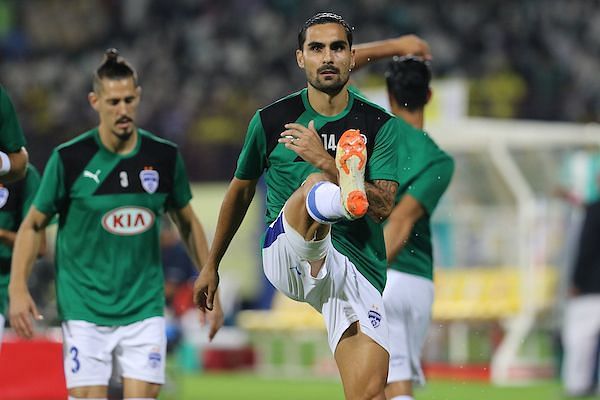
(205,287)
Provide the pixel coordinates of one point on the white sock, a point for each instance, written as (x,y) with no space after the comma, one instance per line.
(307,250)
(403,397)
(324,203)
(85,398)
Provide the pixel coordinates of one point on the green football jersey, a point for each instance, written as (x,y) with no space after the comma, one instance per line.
(425,177)
(15,200)
(108,265)
(11,135)
(361,240)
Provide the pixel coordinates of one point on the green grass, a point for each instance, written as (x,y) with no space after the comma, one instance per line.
(248,386)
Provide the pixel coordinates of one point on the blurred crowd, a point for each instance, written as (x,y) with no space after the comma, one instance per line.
(205,66)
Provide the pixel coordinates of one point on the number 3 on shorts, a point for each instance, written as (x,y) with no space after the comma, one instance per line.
(74,352)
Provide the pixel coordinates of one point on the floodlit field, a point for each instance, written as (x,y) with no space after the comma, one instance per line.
(235,386)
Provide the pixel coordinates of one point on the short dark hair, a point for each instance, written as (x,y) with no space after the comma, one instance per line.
(323,18)
(408,80)
(113,67)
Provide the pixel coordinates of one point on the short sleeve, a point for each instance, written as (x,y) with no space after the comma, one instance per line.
(51,194)
(431,183)
(181,193)
(252,160)
(383,161)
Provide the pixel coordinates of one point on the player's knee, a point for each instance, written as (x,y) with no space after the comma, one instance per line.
(88,392)
(311,180)
(150,392)
(371,388)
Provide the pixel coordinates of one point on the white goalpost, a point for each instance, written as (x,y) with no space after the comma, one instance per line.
(510,169)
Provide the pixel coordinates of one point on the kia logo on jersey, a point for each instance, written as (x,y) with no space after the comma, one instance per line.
(127,221)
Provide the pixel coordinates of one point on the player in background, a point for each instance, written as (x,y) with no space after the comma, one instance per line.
(109,187)
(581,325)
(15,200)
(13,156)
(408,295)
(329,159)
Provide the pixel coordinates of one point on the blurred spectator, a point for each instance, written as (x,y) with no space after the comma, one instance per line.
(210,74)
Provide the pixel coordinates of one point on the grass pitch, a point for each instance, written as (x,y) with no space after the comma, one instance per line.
(247,386)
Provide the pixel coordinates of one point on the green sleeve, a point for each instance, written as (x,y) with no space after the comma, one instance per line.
(430,185)
(51,195)
(181,194)
(11,135)
(253,159)
(384,159)
(32,183)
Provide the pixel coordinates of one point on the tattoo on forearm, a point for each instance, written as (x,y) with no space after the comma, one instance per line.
(381,195)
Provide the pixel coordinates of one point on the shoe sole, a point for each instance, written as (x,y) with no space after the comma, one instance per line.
(351,160)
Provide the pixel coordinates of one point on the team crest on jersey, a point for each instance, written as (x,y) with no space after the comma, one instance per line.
(149,178)
(375,318)
(127,221)
(3,196)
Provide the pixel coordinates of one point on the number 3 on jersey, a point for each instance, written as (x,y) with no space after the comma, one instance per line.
(124,179)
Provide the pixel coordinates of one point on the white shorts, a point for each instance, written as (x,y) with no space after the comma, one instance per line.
(580,332)
(340,292)
(136,351)
(408,300)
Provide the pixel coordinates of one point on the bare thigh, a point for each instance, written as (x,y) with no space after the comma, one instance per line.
(363,365)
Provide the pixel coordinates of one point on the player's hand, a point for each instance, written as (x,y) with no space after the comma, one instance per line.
(213,318)
(205,287)
(412,45)
(22,310)
(305,142)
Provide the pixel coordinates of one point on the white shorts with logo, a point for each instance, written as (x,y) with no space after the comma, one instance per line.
(93,353)
(340,292)
(408,300)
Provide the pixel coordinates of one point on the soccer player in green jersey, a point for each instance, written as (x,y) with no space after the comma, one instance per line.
(330,159)
(15,200)
(109,187)
(408,295)
(13,156)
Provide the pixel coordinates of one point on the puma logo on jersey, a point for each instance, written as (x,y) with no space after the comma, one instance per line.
(94,177)
(127,221)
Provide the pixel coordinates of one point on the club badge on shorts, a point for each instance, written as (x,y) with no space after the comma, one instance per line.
(3,196)
(154,358)
(375,318)
(149,179)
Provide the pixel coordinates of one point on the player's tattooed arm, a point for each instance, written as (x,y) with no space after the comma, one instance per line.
(381,195)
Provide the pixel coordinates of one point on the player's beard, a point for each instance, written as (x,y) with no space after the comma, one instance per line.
(124,134)
(331,87)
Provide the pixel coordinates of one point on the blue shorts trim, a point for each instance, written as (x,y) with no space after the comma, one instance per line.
(273,231)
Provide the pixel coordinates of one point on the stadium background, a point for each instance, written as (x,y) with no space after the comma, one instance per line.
(206,66)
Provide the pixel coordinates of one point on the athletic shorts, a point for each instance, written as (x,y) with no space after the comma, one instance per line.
(408,300)
(340,292)
(93,353)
